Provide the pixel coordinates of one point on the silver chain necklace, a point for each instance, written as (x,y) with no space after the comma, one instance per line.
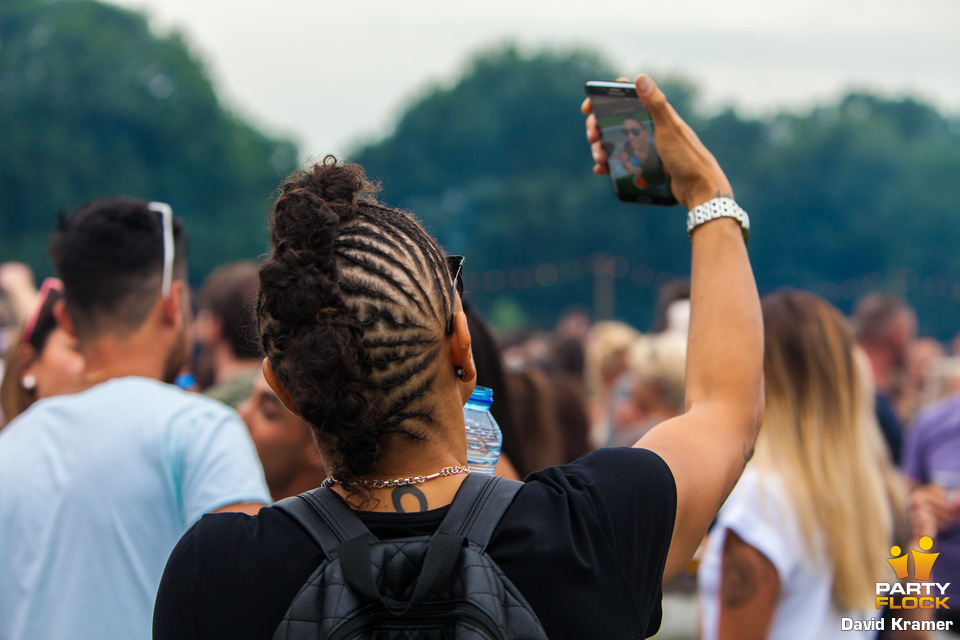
(400,482)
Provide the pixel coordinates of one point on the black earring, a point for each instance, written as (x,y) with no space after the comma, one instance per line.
(460,372)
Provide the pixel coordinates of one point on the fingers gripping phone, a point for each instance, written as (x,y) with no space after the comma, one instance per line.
(627,132)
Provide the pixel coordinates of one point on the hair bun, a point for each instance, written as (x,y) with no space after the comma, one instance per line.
(339,184)
(313,204)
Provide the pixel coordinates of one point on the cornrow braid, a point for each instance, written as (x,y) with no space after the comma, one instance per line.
(352,307)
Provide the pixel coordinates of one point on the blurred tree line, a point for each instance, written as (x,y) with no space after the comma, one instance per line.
(94,104)
(847,198)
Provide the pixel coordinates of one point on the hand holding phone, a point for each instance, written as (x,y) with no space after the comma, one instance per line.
(695,176)
(626,127)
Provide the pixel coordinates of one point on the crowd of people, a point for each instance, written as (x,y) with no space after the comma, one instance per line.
(776,448)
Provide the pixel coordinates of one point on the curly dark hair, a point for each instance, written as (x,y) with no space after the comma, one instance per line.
(352,309)
(109,254)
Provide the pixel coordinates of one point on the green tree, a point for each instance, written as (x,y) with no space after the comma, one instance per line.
(92,103)
(856,197)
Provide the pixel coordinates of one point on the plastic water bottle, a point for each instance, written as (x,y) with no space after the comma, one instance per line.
(483,435)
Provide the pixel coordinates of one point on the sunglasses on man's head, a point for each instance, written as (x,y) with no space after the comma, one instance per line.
(455,265)
(166,218)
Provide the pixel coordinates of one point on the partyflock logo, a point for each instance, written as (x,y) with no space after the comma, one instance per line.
(908,593)
(918,593)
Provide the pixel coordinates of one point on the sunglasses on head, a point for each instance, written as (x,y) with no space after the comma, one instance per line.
(49,285)
(455,265)
(166,217)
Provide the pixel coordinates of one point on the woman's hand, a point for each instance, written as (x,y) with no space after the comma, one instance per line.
(695,175)
(930,511)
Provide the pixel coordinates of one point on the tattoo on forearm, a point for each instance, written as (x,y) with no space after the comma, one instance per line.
(408,490)
(723,194)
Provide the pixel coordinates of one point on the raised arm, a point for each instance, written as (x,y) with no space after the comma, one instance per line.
(707,447)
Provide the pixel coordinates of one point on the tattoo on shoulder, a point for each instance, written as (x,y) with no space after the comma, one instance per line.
(400,493)
(738,580)
(743,572)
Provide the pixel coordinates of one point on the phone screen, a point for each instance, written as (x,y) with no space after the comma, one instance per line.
(627,132)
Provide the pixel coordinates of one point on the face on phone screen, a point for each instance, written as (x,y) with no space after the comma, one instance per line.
(627,132)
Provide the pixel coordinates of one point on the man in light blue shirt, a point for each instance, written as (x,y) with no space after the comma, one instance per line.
(97,486)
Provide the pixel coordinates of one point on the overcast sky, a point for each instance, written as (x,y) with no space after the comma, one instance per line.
(331,74)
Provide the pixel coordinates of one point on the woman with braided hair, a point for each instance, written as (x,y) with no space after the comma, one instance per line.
(354,306)
(365,337)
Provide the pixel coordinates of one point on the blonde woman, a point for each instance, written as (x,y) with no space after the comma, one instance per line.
(606,361)
(656,366)
(804,537)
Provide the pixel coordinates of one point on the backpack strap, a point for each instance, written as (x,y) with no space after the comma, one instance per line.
(474,513)
(325,517)
(478,507)
(439,562)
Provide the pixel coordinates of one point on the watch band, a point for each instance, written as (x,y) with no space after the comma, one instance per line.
(718,208)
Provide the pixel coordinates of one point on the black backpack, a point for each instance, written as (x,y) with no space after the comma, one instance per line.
(439,586)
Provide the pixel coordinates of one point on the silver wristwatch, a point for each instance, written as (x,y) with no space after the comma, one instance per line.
(718,208)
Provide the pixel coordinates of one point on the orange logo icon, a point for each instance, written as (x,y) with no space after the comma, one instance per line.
(922,561)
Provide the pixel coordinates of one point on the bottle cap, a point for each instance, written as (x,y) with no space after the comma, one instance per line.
(186,381)
(482,395)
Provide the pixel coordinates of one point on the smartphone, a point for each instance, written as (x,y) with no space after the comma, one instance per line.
(627,133)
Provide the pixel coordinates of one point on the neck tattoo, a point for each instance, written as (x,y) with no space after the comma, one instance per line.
(408,490)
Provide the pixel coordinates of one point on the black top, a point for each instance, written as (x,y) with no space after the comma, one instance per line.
(585,543)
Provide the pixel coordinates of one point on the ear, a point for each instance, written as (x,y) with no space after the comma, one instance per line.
(172,307)
(460,350)
(271,377)
(64,321)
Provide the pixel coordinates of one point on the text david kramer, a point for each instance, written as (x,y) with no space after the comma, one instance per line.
(896,624)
